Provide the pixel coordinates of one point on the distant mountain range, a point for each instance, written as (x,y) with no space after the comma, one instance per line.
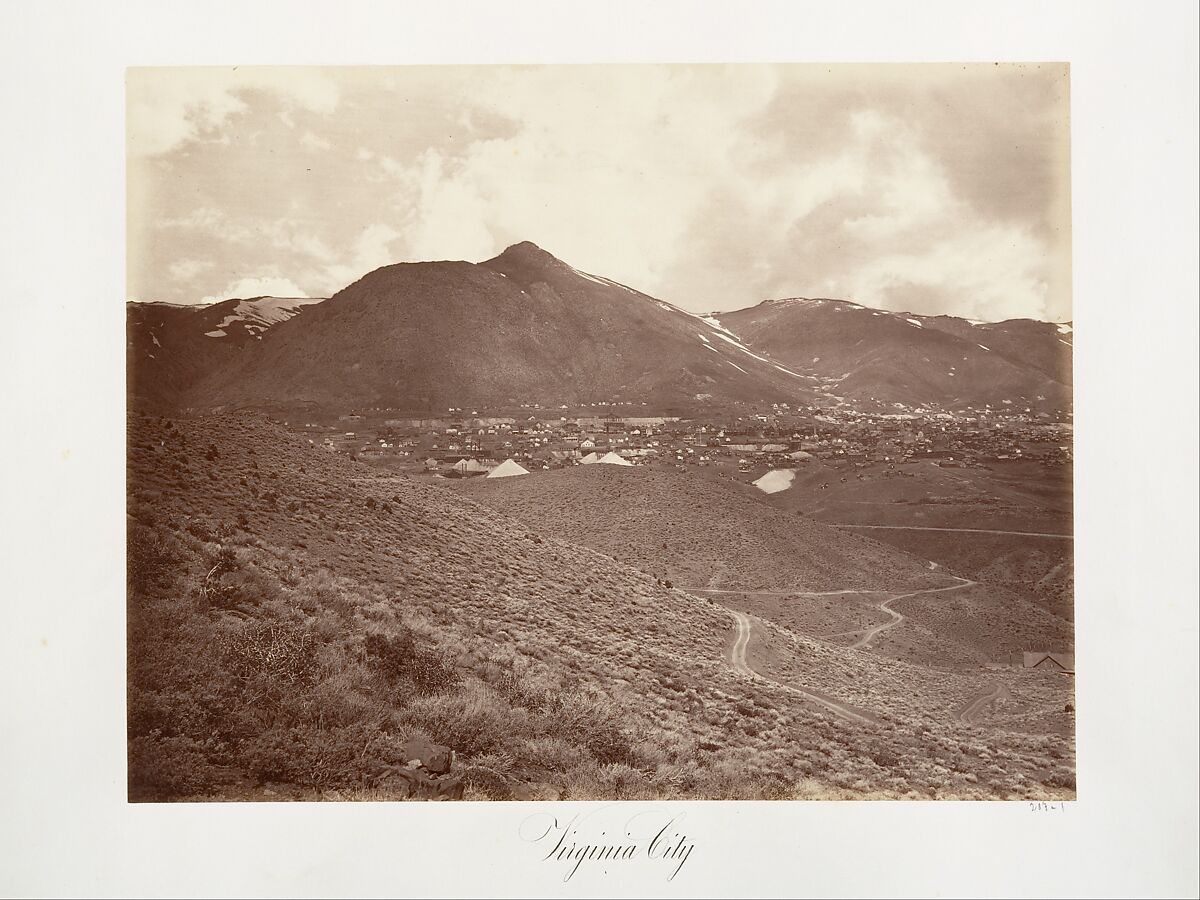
(527,327)
(170,347)
(868,354)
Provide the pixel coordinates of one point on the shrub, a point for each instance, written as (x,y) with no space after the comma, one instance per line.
(317,757)
(163,768)
(200,530)
(151,559)
(470,721)
(490,775)
(399,657)
(883,756)
(596,723)
(277,651)
(1061,779)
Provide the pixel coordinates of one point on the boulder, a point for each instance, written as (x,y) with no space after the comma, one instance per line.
(417,784)
(434,758)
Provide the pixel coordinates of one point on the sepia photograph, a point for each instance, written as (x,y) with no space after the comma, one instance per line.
(526,448)
(600,433)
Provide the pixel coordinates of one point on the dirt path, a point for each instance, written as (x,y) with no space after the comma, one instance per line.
(886,606)
(780,593)
(738,660)
(969,714)
(1045,534)
(740,643)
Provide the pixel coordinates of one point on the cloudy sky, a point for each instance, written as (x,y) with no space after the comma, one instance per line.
(933,189)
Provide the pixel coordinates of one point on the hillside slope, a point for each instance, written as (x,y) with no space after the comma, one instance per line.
(295,616)
(170,347)
(524,326)
(864,354)
(698,533)
(729,542)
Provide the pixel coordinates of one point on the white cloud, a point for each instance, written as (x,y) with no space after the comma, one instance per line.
(312,142)
(607,167)
(246,288)
(370,251)
(989,271)
(908,190)
(288,234)
(187,269)
(204,218)
(713,187)
(452,222)
(166,109)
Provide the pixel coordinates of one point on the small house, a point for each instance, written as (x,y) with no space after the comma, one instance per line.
(1050,662)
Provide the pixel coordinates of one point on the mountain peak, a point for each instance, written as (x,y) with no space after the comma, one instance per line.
(526,263)
(526,253)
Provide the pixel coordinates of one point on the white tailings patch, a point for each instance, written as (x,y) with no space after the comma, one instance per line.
(776,480)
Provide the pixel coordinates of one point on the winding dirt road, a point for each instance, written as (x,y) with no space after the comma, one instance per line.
(740,643)
(969,714)
(1045,534)
(738,660)
(886,606)
(780,593)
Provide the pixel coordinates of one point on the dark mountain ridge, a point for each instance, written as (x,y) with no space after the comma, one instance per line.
(526,327)
(522,326)
(862,354)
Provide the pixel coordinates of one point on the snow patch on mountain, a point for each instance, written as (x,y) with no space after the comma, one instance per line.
(793,374)
(738,344)
(715,323)
(587,276)
(266,311)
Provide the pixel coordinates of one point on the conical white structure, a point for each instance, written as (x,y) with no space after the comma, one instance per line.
(589,459)
(612,459)
(775,481)
(507,469)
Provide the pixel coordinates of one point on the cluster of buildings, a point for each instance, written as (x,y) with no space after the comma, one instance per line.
(471,443)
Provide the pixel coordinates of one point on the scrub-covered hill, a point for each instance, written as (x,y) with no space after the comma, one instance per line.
(295,618)
(698,532)
(725,540)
